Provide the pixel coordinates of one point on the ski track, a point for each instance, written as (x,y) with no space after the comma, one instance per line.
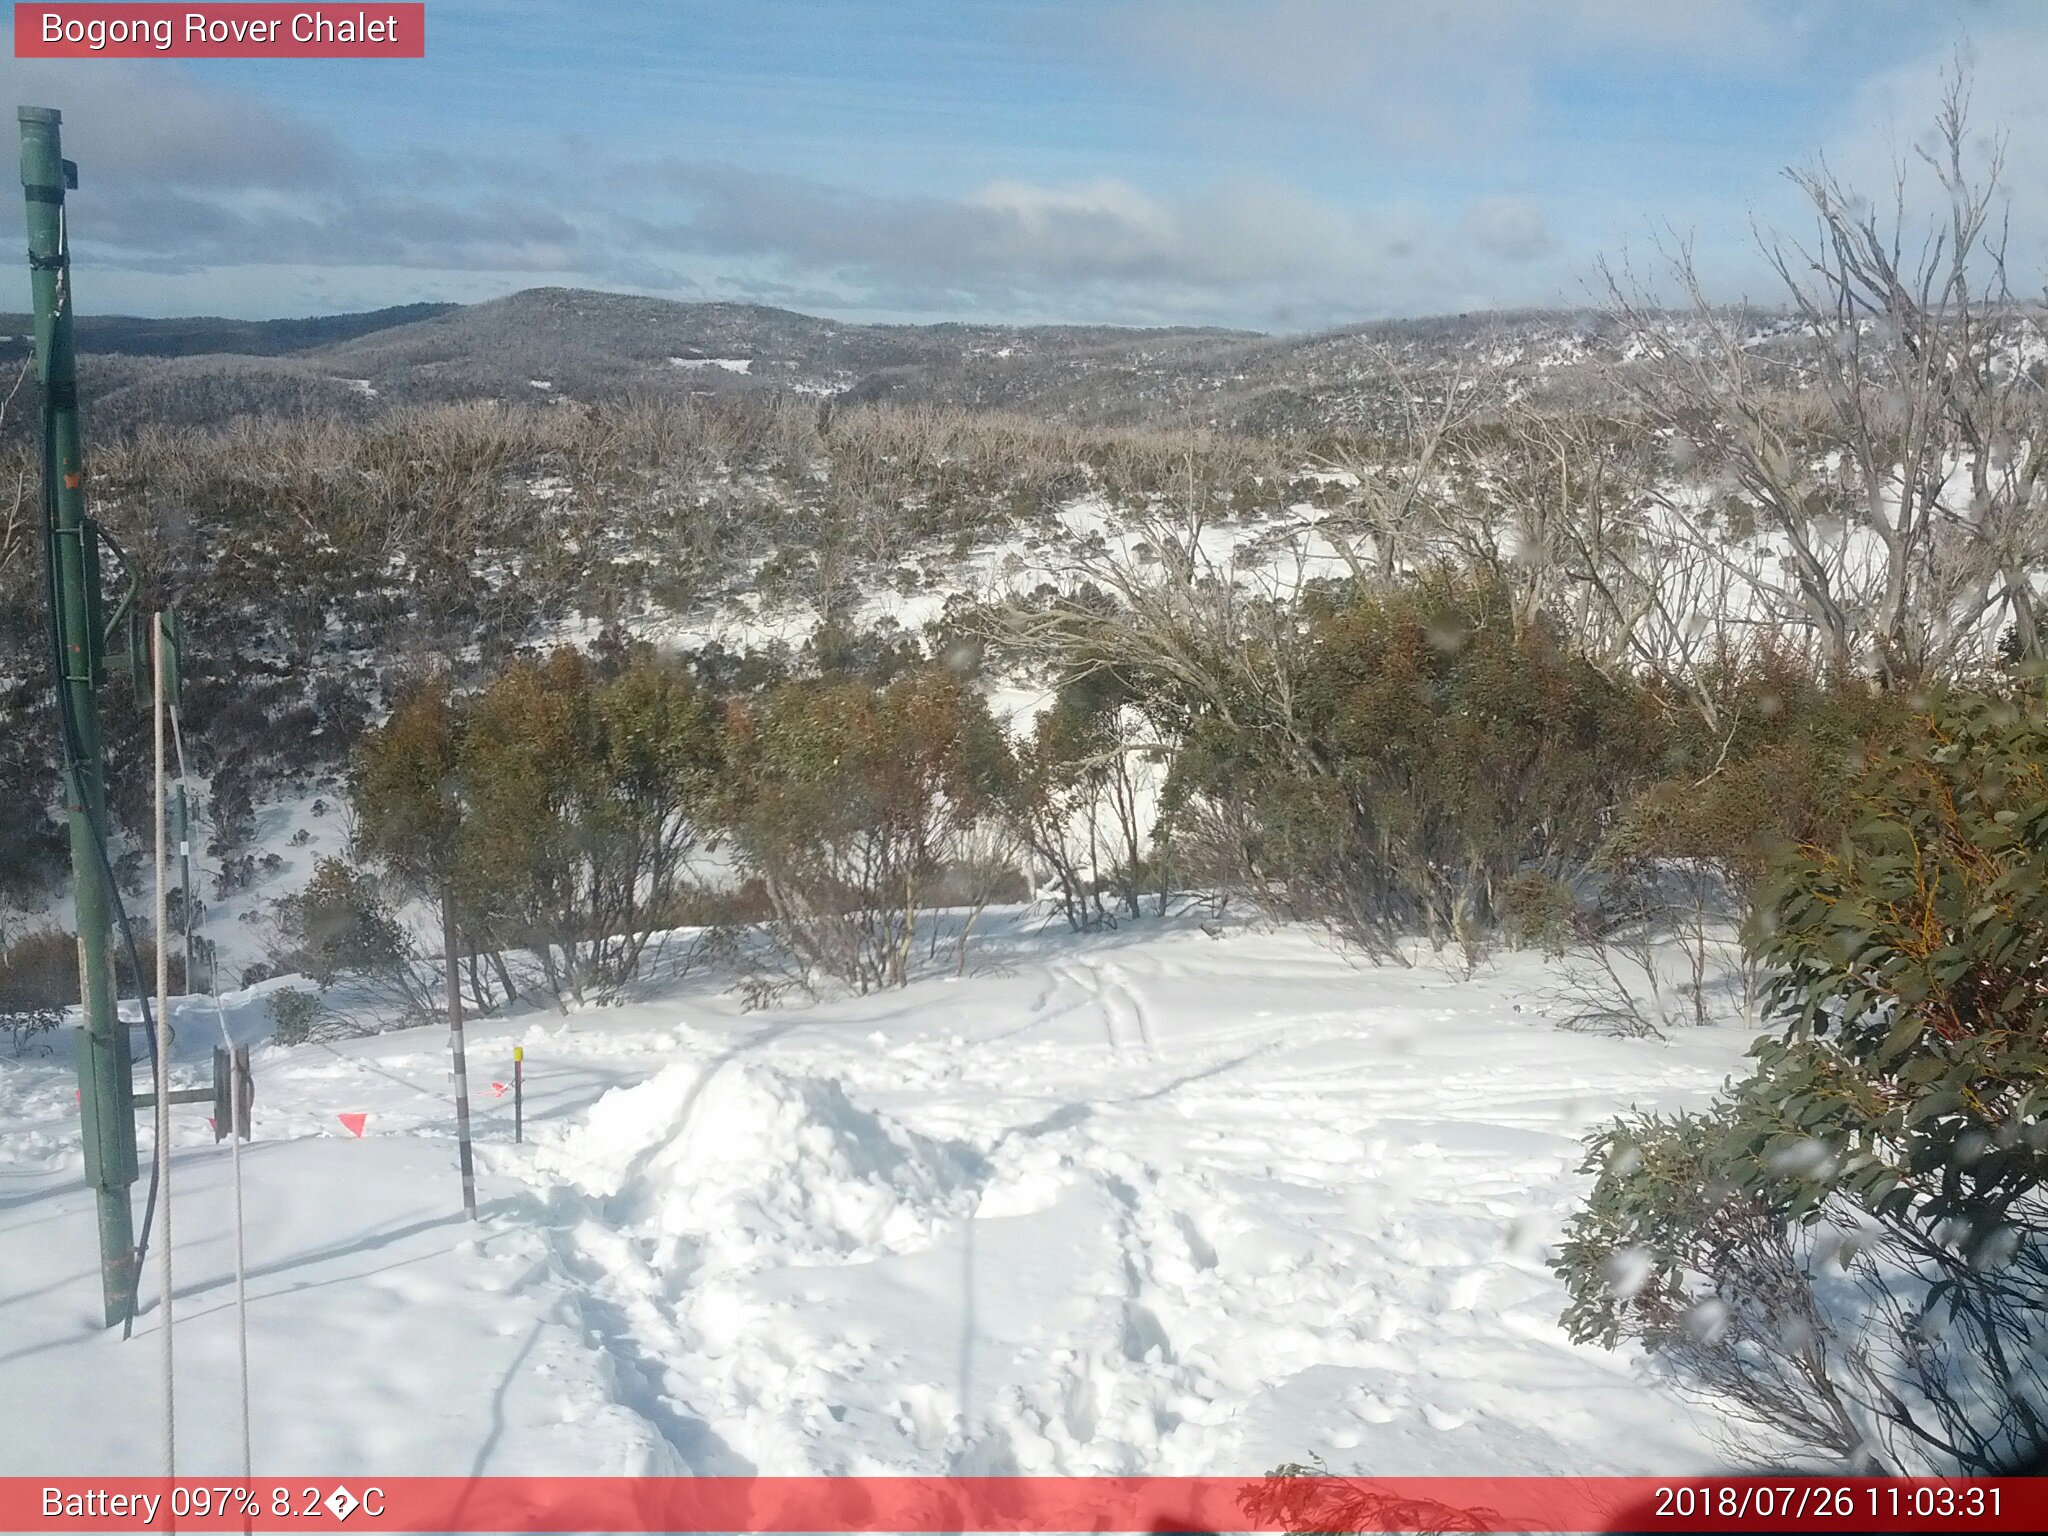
(1125,1206)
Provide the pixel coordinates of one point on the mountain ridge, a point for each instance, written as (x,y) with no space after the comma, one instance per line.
(586,345)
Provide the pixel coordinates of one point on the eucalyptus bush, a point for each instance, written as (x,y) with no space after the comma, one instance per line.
(1436,745)
(1853,1243)
(851,802)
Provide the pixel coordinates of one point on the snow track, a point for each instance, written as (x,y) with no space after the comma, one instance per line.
(1272,1235)
(1101,989)
(1144,1202)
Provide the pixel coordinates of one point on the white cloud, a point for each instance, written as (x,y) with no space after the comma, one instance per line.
(1442,77)
(1511,227)
(1103,248)
(150,124)
(1892,116)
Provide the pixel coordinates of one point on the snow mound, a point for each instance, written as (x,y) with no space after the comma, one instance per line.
(746,1165)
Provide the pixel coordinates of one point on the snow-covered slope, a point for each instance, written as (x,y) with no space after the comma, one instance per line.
(1157,1201)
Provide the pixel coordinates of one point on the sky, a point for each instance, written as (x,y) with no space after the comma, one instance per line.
(1279,165)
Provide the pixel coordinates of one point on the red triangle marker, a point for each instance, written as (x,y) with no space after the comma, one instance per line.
(498,1089)
(353,1124)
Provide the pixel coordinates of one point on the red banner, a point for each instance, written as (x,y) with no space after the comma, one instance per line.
(247,31)
(932,1504)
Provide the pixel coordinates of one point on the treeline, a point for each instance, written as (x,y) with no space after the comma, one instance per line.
(319,561)
(1445,767)
(555,818)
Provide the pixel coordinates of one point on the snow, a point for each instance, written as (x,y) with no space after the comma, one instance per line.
(1168,1200)
(729,364)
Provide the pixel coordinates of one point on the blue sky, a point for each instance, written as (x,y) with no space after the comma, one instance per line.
(1280,164)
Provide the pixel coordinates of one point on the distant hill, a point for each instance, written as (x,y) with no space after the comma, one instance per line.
(556,343)
(132,336)
(573,345)
(587,343)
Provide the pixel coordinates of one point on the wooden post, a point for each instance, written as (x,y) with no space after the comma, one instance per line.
(245,1094)
(224,1119)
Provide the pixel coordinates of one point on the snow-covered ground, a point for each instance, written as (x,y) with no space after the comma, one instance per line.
(1150,1201)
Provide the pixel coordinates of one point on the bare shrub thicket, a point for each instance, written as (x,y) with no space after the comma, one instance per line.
(1870,477)
(38,978)
(1087,776)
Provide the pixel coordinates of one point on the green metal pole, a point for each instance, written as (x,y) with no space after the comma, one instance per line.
(106,1086)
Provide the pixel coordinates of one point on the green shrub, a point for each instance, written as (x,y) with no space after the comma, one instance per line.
(295,1015)
(1892,1131)
(583,798)
(1905,960)
(851,802)
(1773,770)
(1438,747)
(1539,912)
(339,925)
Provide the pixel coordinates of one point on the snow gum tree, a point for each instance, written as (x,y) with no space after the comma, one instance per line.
(1889,444)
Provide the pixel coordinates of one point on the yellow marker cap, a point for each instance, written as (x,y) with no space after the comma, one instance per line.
(519,1053)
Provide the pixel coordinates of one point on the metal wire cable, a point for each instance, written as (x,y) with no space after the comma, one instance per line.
(235,1086)
(163,1049)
